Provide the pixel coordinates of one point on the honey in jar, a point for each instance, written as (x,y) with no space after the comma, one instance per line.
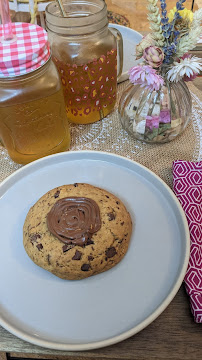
(85,53)
(33,120)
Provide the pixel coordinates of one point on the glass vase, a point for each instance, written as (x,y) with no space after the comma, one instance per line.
(155,116)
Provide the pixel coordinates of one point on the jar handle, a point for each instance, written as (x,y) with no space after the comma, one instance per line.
(119,40)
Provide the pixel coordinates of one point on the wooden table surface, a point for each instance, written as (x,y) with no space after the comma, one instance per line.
(173,335)
(136,10)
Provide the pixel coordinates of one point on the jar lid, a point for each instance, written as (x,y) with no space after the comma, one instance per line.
(27,52)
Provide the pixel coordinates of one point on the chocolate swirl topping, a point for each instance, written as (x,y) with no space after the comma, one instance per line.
(73,220)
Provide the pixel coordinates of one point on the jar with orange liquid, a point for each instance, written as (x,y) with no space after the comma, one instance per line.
(33,120)
(85,53)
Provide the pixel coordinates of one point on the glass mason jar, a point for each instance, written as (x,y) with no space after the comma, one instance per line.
(85,53)
(33,121)
(155,116)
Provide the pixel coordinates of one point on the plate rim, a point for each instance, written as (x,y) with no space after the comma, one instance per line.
(125,27)
(127,334)
(124,76)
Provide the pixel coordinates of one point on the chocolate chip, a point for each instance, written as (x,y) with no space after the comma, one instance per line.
(85,267)
(48,259)
(117,202)
(107,196)
(67,247)
(34,237)
(39,246)
(90,257)
(58,264)
(77,255)
(122,223)
(56,195)
(89,242)
(111,216)
(75,184)
(110,252)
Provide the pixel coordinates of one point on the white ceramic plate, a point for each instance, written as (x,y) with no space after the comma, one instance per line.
(103,309)
(130,39)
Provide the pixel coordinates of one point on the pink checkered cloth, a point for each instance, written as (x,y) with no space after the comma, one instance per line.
(187,185)
(28,51)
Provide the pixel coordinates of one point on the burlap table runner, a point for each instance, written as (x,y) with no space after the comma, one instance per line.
(108,135)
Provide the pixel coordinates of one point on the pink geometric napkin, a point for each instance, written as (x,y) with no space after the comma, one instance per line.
(187,185)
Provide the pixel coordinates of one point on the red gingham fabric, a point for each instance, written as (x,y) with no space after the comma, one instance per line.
(30,50)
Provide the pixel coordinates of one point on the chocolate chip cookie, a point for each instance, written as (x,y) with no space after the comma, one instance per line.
(76,231)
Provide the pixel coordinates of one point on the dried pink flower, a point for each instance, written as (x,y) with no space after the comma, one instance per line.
(165,116)
(152,122)
(153,56)
(146,42)
(145,76)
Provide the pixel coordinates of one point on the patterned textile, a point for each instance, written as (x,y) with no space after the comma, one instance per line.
(30,50)
(117,19)
(187,185)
